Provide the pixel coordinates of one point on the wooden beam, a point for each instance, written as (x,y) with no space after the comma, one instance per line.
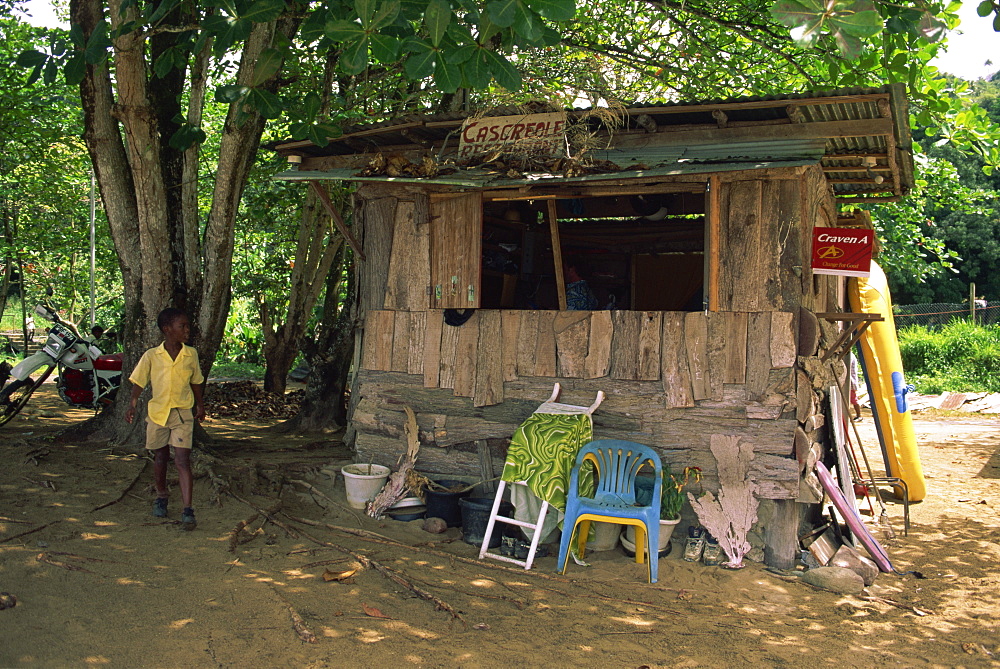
(557,254)
(876,168)
(713,230)
(338,220)
(689,183)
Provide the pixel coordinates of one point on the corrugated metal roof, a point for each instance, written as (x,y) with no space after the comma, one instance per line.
(478,178)
(668,147)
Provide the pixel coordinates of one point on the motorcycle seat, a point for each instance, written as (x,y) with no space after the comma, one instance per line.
(112,362)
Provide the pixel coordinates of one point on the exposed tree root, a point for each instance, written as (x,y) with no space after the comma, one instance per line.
(27,532)
(298,624)
(314,490)
(379,539)
(236,537)
(391,574)
(127,489)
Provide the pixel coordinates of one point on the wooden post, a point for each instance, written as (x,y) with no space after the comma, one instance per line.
(781,536)
(713,231)
(338,220)
(972,303)
(557,254)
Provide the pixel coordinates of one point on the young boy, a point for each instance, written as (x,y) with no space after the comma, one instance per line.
(172,369)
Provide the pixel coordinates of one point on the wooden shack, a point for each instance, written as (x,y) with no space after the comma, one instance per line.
(692,224)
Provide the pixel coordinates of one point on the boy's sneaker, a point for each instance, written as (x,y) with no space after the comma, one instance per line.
(188,522)
(695,543)
(712,556)
(160,507)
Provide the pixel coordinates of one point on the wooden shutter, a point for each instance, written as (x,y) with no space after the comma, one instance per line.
(456,235)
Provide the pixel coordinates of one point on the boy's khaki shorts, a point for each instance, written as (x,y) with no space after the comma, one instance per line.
(177,432)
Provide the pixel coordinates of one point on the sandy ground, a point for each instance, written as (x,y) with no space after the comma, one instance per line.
(102,583)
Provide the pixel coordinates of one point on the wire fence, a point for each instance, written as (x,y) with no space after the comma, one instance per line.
(936,315)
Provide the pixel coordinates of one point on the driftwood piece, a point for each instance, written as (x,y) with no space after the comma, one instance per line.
(488,389)
(545,345)
(625,347)
(465,357)
(399,359)
(783,344)
(695,340)
(379,329)
(572,344)
(417,342)
(131,485)
(599,348)
(510,320)
(446,359)
(717,331)
(648,353)
(673,362)
(433,324)
(397,485)
(758,354)
(735,368)
(527,340)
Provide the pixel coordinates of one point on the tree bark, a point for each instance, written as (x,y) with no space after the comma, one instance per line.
(149,189)
(315,252)
(329,357)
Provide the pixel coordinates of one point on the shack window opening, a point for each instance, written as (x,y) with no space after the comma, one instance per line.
(642,251)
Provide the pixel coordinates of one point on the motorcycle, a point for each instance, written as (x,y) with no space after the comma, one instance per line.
(87,379)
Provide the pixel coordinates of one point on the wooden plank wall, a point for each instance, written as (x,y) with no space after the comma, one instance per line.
(761,241)
(672,379)
(456,237)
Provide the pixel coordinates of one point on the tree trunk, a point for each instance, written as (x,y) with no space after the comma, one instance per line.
(329,357)
(148,188)
(313,259)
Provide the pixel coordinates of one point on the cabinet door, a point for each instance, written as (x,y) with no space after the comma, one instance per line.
(456,237)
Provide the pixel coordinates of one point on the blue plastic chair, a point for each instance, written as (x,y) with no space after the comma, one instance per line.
(616,464)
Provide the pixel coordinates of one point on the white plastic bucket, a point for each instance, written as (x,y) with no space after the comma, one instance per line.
(363,483)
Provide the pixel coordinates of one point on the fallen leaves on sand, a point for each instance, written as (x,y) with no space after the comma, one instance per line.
(246,400)
(373,612)
(342,576)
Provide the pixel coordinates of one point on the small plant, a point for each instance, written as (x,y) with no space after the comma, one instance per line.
(672,494)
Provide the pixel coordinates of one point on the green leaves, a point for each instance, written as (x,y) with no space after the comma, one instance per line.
(436,18)
(458,47)
(268,64)
(262,11)
(187,136)
(847,21)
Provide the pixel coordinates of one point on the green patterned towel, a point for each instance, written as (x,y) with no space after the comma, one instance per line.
(542,452)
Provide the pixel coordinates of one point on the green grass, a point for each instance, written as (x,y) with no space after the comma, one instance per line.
(12,316)
(957,357)
(239,370)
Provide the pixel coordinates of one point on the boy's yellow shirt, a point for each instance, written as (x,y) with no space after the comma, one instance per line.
(171,380)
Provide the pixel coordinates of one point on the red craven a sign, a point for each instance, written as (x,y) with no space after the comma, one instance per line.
(842,251)
(536,134)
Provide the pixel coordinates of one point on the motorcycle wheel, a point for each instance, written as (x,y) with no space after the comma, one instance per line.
(16,395)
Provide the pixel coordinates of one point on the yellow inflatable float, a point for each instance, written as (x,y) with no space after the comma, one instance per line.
(884,372)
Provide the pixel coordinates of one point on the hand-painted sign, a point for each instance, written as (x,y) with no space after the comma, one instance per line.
(532,134)
(842,251)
